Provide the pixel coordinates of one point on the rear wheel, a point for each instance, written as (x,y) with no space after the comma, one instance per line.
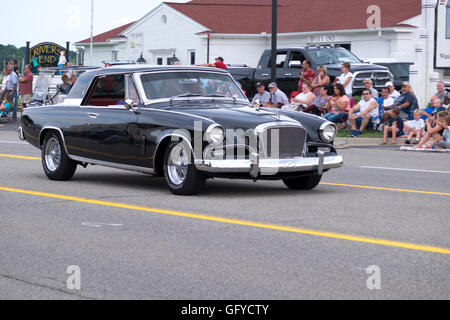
(181,175)
(303,183)
(55,161)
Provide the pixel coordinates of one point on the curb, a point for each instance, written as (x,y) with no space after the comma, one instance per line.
(364,142)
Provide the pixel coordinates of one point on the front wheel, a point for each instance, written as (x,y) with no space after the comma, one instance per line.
(55,161)
(181,175)
(303,183)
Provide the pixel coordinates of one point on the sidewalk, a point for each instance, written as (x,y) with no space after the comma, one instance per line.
(364,142)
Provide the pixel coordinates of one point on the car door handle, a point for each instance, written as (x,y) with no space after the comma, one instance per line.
(288,74)
(265,74)
(93,115)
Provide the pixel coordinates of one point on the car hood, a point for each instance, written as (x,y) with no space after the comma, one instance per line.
(236,117)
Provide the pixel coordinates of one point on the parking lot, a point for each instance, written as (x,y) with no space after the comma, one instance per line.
(132,239)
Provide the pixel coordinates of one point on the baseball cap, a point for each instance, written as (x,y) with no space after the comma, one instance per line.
(406,84)
(273,85)
(259,84)
(219,58)
(389,84)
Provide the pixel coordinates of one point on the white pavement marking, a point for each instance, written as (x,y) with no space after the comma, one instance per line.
(13,142)
(100,225)
(403,169)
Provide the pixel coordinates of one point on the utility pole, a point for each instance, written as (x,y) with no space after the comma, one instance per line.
(92,33)
(274,40)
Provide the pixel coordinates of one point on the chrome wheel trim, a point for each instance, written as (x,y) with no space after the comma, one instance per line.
(52,154)
(177,165)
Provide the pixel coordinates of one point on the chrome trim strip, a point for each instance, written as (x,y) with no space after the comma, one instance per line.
(187,139)
(113,165)
(278,165)
(20,133)
(147,101)
(61,134)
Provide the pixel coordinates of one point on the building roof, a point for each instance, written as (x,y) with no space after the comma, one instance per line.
(104,37)
(255,16)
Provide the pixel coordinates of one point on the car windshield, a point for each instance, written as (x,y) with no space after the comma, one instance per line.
(332,56)
(190,84)
(42,86)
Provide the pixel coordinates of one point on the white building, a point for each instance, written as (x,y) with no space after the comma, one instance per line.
(239,31)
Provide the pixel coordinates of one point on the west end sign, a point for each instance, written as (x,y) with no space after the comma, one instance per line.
(44,55)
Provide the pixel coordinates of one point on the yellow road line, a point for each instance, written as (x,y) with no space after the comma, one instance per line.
(19,157)
(384,189)
(324,234)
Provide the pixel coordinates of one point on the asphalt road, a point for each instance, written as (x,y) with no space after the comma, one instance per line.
(237,240)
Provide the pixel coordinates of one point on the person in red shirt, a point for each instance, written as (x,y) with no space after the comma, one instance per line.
(218,64)
(307,76)
(26,86)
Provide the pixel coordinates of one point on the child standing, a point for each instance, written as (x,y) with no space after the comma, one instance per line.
(394,126)
(415,127)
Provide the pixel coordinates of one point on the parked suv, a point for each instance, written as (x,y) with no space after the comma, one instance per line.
(289,65)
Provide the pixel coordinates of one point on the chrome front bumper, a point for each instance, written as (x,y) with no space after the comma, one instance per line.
(267,167)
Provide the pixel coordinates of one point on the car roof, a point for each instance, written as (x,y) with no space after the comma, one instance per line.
(151,68)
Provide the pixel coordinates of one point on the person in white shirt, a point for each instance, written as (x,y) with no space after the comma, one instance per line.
(415,127)
(62,59)
(363,113)
(394,94)
(4,82)
(346,79)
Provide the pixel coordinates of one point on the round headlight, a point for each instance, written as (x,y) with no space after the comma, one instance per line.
(215,135)
(328,132)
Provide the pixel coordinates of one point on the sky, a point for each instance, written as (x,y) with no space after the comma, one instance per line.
(60,21)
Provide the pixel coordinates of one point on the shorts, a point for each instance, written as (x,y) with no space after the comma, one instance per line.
(26,98)
(359,122)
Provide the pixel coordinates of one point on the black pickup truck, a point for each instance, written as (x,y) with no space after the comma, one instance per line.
(289,65)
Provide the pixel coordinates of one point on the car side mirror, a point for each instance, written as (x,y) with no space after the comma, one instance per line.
(295,64)
(130,105)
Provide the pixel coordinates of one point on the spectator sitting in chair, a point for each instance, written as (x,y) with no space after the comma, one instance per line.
(338,106)
(263,96)
(394,127)
(368,84)
(306,97)
(407,102)
(277,97)
(388,104)
(6,105)
(394,94)
(429,114)
(321,80)
(318,106)
(363,113)
(441,93)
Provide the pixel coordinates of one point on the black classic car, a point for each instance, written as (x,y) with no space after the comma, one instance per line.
(187,124)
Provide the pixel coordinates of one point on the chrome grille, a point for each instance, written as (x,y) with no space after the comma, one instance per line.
(283,142)
(379,79)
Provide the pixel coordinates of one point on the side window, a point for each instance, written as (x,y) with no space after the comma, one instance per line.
(108,91)
(296,59)
(281,60)
(131,90)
